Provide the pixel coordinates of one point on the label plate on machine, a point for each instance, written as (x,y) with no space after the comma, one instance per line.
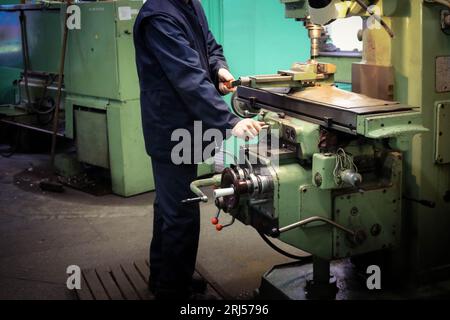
(443,74)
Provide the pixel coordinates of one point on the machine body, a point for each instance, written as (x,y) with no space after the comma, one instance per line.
(356,173)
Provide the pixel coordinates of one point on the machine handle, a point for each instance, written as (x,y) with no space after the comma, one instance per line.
(242,81)
(223,192)
(194,200)
(311,220)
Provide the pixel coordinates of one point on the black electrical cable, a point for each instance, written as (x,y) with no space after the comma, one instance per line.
(306,259)
(50,81)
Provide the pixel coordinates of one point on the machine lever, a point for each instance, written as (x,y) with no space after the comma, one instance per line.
(219,227)
(195,188)
(425,203)
(315,219)
(194,200)
(242,81)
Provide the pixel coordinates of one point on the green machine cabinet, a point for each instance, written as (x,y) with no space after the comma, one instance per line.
(102,106)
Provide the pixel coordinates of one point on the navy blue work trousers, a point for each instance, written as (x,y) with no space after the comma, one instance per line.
(176,228)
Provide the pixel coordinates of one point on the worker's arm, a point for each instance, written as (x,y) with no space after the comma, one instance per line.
(217,61)
(218,65)
(181,64)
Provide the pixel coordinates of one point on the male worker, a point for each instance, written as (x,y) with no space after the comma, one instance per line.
(181,70)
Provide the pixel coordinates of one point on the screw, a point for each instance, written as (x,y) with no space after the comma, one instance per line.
(318,179)
(375,230)
(354,211)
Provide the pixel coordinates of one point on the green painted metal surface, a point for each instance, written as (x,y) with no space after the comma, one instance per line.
(44,40)
(322,171)
(303,133)
(101,77)
(414,59)
(297,199)
(7,87)
(391,125)
(92,134)
(131,171)
(100,61)
(10,53)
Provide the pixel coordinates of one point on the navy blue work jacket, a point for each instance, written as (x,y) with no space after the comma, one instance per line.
(178,61)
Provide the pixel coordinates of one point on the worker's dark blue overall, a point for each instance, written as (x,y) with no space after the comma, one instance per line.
(178,60)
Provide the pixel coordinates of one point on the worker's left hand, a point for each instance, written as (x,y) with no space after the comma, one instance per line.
(225,77)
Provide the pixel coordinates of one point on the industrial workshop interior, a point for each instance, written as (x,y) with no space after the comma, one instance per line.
(225,150)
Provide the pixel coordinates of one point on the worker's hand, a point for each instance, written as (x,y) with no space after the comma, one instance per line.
(225,77)
(247,129)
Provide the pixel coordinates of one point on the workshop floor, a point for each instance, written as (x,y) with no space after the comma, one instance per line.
(41,234)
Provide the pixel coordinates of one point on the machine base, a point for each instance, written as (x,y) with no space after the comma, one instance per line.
(289,282)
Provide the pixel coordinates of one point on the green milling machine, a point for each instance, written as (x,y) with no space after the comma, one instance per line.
(359,180)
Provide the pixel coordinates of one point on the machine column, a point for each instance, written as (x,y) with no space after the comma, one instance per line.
(323,286)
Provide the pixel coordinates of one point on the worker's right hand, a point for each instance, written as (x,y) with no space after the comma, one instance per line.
(247,129)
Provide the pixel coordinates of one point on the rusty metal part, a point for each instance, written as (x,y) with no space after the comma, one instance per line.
(342,99)
(373,81)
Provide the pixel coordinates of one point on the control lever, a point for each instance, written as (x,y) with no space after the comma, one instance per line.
(425,203)
(193,200)
(242,81)
(219,227)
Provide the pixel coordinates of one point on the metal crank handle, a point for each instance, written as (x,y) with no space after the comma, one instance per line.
(194,200)
(195,188)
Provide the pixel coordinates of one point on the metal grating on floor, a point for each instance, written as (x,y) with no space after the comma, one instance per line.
(123,282)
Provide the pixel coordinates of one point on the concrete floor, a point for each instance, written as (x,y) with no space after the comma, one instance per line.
(43,233)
